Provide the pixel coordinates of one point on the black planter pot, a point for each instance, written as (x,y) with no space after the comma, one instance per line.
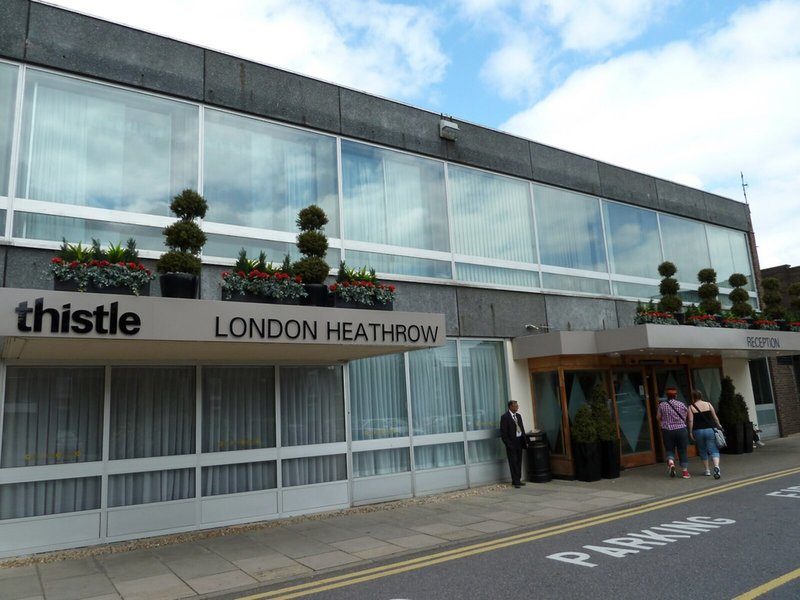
(609,459)
(258,299)
(118,290)
(65,286)
(339,302)
(587,462)
(179,285)
(318,295)
(747,443)
(734,435)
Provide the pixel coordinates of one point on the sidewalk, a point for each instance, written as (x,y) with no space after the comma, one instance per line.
(207,562)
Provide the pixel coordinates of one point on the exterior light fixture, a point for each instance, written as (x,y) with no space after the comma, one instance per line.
(448,130)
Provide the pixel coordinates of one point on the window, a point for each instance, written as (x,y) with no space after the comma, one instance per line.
(39,498)
(570,234)
(435,402)
(94,145)
(729,255)
(260,174)
(152,412)
(312,405)
(483,370)
(8,96)
(685,245)
(52,416)
(393,198)
(378,398)
(633,242)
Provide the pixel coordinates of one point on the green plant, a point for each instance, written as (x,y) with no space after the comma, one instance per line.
(604,421)
(668,288)
(312,244)
(794,292)
(739,296)
(361,286)
(708,292)
(732,408)
(258,277)
(184,238)
(584,428)
(773,300)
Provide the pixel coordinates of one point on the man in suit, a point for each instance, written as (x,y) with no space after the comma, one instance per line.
(512,432)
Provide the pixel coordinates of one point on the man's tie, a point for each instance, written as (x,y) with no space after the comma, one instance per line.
(516,422)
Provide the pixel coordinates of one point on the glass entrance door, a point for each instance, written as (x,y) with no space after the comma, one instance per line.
(635,431)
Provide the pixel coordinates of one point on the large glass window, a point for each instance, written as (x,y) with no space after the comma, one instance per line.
(238,408)
(438,456)
(378,407)
(685,245)
(729,254)
(381,462)
(152,412)
(492,215)
(435,400)
(547,404)
(312,405)
(259,174)
(314,469)
(94,145)
(39,498)
(8,95)
(632,234)
(570,231)
(393,198)
(52,416)
(234,479)
(156,486)
(483,368)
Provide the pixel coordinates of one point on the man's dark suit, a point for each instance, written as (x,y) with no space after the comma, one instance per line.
(514,444)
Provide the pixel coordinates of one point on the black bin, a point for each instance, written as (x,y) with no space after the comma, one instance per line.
(538,457)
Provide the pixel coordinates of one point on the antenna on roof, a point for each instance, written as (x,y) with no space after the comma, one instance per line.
(744,188)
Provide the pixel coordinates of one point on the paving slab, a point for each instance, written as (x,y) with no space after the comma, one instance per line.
(20,588)
(327,560)
(134,565)
(158,587)
(416,541)
(68,569)
(220,581)
(81,587)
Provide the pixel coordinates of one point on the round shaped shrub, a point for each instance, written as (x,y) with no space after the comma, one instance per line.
(707,275)
(667,269)
(312,269)
(737,280)
(185,236)
(668,287)
(312,243)
(311,217)
(189,205)
(175,261)
(671,304)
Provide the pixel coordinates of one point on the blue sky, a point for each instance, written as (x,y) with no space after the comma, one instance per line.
(693,91)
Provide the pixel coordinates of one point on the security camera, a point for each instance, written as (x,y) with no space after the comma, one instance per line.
(531,327)
(448,130)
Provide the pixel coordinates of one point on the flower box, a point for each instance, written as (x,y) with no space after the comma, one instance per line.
(734,323)
(765,325)
(339,302)
(655,317)
(270,286)
(703,321)
(794,326)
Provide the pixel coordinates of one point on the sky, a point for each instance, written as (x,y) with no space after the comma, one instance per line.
(700,92)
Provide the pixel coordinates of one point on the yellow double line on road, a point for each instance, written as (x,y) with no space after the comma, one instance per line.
(330,583)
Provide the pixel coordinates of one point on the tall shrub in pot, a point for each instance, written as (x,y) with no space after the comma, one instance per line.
(606,432)
(313,245)
(180,266)
(585,445)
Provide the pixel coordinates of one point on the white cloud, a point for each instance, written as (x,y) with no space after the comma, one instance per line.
(697,113)
(592,26)
(383,48)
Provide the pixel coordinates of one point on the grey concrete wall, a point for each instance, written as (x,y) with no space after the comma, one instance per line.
(419,297)
(565,313)
(59,39)
(495,313)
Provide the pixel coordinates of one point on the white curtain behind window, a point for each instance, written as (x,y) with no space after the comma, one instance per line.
(52,415)
(155,486)
(152,412)
(39,498)
(378,403)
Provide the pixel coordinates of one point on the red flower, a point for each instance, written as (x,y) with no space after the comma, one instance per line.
(56,260)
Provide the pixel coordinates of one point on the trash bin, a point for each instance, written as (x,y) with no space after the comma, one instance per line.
(538,457)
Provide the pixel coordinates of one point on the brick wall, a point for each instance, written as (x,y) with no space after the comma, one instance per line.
(787,396)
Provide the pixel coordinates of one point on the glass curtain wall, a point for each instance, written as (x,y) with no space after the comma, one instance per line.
(8,96)
(98,146)
(95,146)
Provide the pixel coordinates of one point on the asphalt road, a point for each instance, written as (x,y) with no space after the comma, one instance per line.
(736,540)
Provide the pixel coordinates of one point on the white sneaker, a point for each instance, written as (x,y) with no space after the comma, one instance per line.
(707,473)
(716,473)
(760,444)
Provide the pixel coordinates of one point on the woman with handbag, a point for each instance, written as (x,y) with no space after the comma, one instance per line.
(702,420)
(671,417)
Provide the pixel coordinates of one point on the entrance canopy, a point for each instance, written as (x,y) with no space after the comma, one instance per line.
(652,339)
(48,325)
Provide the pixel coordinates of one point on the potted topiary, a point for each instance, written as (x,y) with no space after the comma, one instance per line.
(360,288)
(740,307)
(732,417)
(668,288)
(708,292)
(180,266)
(585,445)
(773,301)
(313,244)
(256,280)
(606,432)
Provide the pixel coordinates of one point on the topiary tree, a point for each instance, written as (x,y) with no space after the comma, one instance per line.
(668,288)
(773,300)
(730,407)
(708,292)
(184,238)
(604,421)
(584,427)
(312,244)
(740,307)
(794,292)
